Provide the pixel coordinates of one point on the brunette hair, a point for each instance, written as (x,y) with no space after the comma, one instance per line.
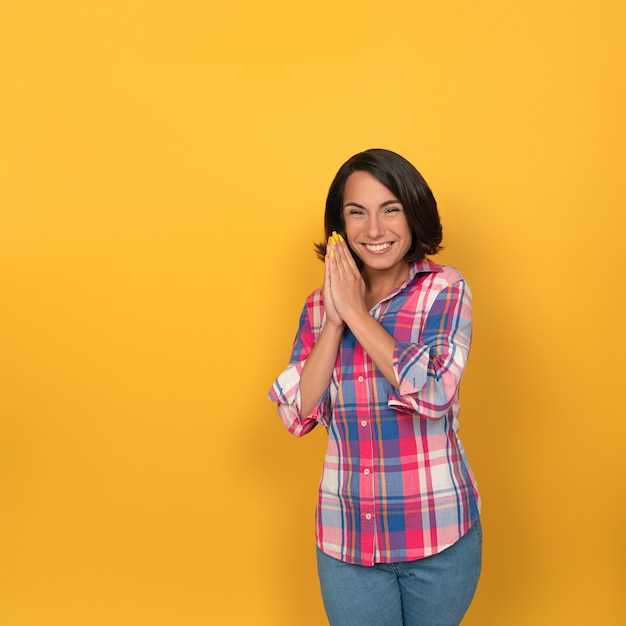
(406,183)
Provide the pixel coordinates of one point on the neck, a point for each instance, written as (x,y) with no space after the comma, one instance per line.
(381,282)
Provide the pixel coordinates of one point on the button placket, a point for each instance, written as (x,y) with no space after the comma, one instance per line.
(365,436)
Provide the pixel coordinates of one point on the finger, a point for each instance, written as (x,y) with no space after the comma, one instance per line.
(331,246)
(328,261)
(345,256)
(337,263)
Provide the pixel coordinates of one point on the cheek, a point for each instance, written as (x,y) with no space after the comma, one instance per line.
(408,237)
(350,232)
(406,247)
(407,234)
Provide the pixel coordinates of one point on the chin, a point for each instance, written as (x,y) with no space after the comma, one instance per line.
(382,264)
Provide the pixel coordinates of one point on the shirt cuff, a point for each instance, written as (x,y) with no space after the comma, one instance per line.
(286,393)
(410,365)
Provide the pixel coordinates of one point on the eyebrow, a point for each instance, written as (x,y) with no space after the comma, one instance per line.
(382,206)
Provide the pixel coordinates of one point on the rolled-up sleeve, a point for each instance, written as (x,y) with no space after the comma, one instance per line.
(429,372)
(286,388)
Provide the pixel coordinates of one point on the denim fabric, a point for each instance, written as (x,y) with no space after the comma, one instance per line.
(434,591)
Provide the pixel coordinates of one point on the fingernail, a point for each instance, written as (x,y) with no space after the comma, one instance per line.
(340,237)
(332,252)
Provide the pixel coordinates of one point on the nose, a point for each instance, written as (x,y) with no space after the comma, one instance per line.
(374,227)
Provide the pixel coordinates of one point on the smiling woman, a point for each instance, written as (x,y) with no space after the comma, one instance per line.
(377,360)
(403,184)
(377,231)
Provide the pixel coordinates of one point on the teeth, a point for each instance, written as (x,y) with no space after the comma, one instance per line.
(379,247)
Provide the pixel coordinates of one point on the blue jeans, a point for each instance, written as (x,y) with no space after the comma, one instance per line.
(435,591)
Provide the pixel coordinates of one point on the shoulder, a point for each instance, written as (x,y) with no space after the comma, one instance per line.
(450,275)
(314,299)
(313,309)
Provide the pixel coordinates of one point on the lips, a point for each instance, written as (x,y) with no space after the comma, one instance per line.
(378,247)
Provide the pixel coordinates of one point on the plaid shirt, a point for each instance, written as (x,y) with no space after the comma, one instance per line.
(396,484)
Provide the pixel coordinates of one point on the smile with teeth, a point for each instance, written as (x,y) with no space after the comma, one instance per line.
(377,247)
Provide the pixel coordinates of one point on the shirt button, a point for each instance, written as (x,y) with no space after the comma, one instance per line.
(363,423)
(368,516)
(366,472)
(360,379)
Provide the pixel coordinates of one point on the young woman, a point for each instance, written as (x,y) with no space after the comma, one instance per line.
(377,360)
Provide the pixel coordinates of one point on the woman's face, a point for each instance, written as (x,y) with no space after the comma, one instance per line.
(376,225)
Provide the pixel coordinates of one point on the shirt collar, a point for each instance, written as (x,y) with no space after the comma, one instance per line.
(426,266)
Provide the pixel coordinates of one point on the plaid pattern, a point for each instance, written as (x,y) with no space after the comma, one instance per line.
(396,484)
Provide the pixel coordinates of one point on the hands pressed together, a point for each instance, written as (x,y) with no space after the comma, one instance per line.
(344,287)
(344,292)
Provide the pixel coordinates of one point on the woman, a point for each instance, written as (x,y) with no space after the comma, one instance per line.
(378,359)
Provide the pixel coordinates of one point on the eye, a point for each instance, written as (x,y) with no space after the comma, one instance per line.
(393,209)
(355,212)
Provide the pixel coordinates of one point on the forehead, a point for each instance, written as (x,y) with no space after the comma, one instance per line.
(363,187)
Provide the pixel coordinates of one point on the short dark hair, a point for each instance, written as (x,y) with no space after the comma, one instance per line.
(406,183)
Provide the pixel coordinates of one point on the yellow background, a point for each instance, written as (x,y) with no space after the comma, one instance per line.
(163,169)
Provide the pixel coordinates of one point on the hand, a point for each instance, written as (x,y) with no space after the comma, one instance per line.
(346,285)
(332,317)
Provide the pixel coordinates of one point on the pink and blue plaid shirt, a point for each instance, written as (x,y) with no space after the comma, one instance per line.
(396,484)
